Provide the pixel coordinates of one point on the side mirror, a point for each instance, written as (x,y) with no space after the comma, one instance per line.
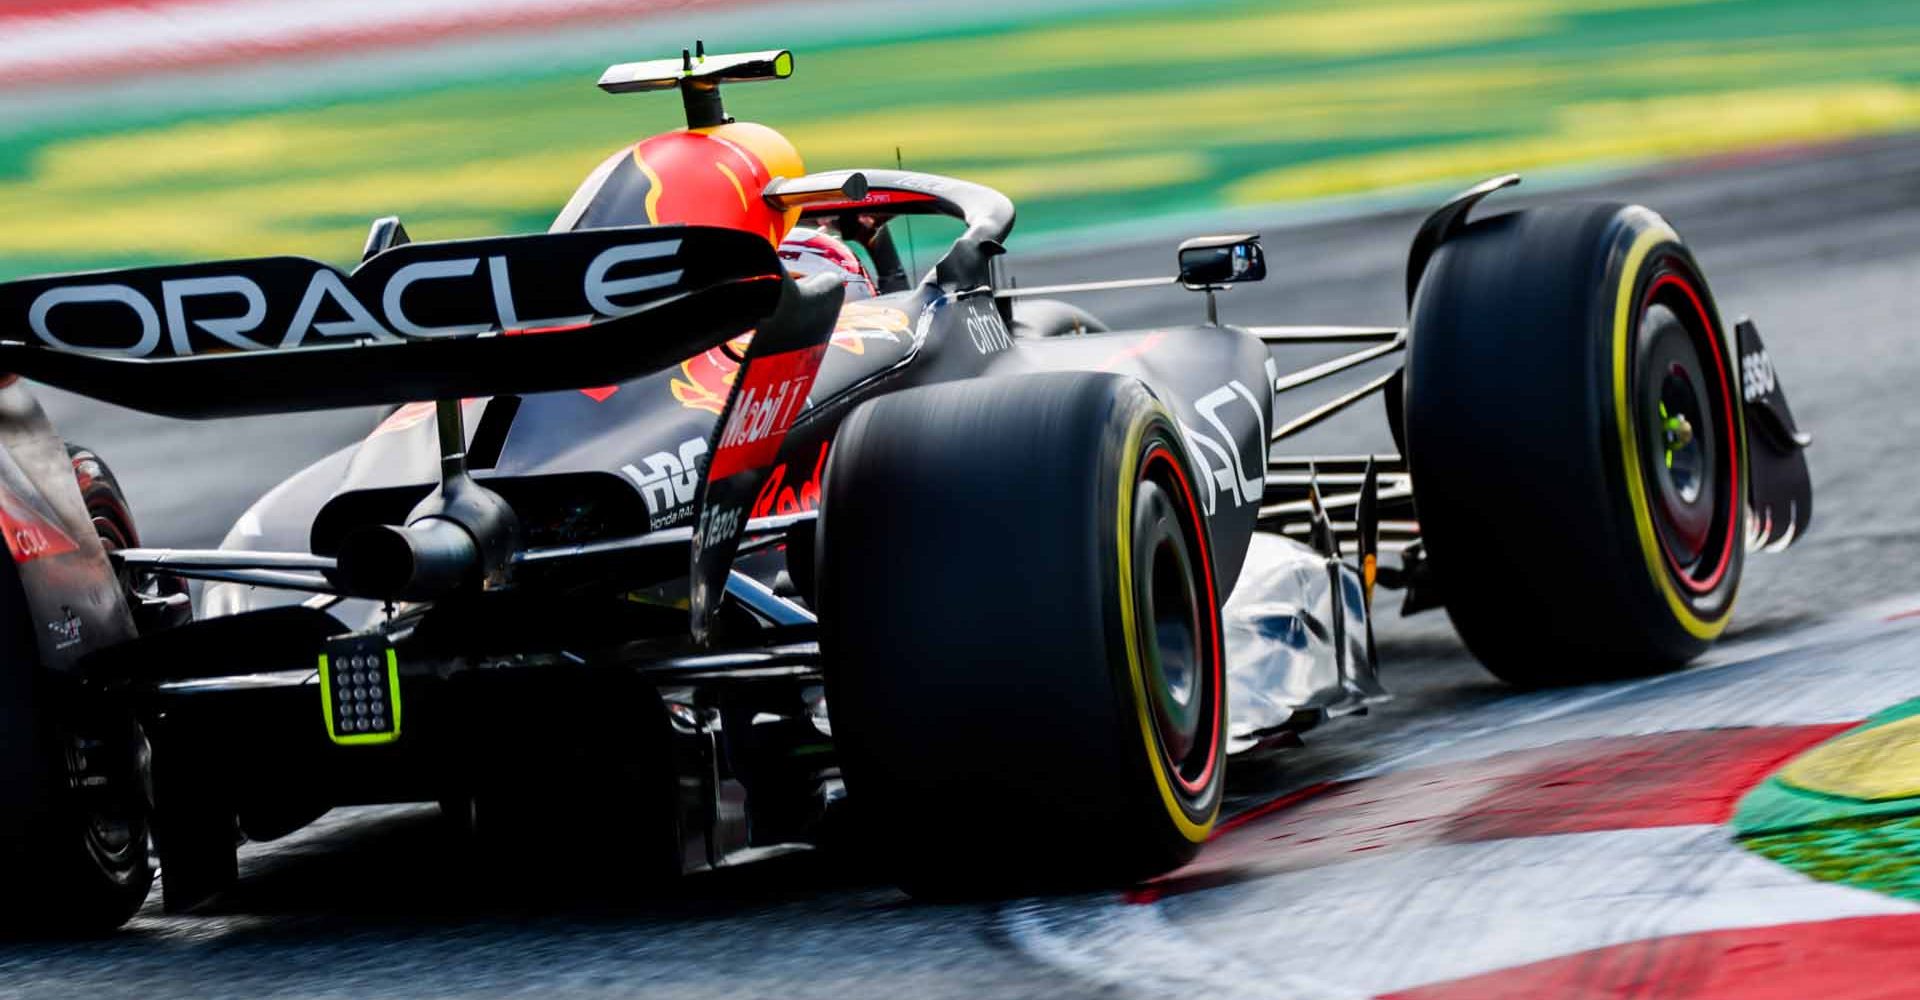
(1210,261)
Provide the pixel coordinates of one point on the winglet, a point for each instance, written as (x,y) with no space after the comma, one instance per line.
(698,77)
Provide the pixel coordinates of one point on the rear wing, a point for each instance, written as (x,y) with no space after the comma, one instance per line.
(418,321)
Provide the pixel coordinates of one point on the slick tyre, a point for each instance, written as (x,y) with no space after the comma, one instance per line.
(1027,684)
(1575,440)
(73,802)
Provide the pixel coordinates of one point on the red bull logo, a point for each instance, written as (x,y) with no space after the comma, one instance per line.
(706,378)
(778,496)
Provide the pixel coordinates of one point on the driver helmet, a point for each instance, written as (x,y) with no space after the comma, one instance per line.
(808,251)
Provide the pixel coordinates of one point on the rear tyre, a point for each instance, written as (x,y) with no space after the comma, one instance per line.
(74,791)
(1027,683)
(157,600)
(1575,442)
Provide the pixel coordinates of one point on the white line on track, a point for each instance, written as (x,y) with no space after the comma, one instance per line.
(1135,950)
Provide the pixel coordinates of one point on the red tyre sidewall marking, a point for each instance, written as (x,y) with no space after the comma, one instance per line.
(1706,586)
(1159,453)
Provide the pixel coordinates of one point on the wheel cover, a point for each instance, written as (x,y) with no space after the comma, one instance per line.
(1168,607)
(109,773)
(1645,255)
(1173,595)
(1688,452)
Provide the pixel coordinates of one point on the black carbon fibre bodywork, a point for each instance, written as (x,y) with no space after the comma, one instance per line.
(631,453)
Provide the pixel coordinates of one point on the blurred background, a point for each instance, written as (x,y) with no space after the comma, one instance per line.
(1782,137)
(158,130)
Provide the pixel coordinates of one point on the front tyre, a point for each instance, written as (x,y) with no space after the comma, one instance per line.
(1016,601)
(1575,440)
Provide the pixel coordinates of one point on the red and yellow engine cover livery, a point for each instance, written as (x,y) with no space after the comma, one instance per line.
(699,176)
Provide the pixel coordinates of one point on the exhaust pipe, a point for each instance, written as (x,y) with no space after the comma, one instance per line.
(461,534)
(426,559)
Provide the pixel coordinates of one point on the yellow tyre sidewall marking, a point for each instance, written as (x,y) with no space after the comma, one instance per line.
(1623,330)
(1874,765)
(1129,464)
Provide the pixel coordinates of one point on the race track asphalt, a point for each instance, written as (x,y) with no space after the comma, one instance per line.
(1820,246)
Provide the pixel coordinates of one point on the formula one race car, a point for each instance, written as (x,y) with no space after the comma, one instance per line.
(706,525)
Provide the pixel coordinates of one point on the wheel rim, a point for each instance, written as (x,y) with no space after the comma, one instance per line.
(1169,608)
(144,589)
(109,764)
(1181,654)
(1687,449)
(1681,445)
(112,784)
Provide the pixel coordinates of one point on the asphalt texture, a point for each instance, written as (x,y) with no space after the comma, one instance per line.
(1820,246)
